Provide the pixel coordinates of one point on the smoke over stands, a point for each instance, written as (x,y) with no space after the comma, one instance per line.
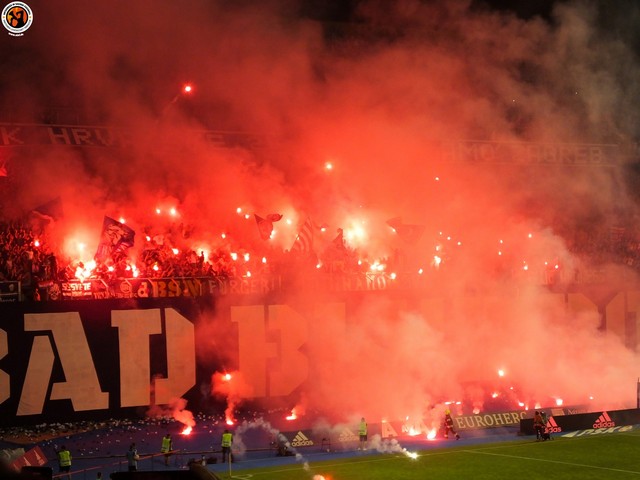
(359,121)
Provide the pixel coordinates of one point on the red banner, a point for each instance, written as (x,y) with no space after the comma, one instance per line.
(33,458)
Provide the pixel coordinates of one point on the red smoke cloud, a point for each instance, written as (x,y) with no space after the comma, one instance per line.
(176,409)
(383,103)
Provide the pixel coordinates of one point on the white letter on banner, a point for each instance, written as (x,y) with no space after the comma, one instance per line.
(181,358)
(293,365)
(36,381)
(5,386)
(255,351)
(134,329)
(81,386)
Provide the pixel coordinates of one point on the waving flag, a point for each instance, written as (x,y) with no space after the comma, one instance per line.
(304,240)
(45,214)
(265,225)
(338,242)
(50,211)
(116,238)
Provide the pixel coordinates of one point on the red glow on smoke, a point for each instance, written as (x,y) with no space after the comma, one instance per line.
(487,224)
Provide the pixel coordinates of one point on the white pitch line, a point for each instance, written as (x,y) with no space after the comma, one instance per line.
(553,461)
(387,457)
(299,467)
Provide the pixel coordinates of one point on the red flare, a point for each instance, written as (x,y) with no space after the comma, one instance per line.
(293,415)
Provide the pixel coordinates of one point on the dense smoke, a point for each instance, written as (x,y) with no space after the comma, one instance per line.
(380,98)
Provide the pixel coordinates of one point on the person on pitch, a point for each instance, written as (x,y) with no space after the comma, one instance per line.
(538,425)
(227,440)
(448,425)
(167,446)
(362,434)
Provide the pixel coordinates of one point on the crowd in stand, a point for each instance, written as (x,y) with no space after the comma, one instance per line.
(23,257)
(27,258)
(613,245)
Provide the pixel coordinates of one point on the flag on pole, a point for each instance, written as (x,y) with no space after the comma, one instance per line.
(338,242)
(304,239)
(49,211)
(45,214)
(265,225)
(115,239)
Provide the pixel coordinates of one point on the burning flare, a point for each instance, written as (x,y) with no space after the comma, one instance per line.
(293,415)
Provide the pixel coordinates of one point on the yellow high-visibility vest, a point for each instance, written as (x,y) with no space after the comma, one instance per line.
(166,445)
(64,456)
(227,438)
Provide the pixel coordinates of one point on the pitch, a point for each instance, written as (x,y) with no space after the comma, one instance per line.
(597,456)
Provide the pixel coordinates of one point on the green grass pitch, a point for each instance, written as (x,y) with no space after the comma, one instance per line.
(600,456)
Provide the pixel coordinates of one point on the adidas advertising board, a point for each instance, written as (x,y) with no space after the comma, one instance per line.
(604,421)
(598,421)
(347,435)
(552,426)
(301,440)
(489,420)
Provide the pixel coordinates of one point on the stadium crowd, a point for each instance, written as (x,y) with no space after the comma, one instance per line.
(26,256)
